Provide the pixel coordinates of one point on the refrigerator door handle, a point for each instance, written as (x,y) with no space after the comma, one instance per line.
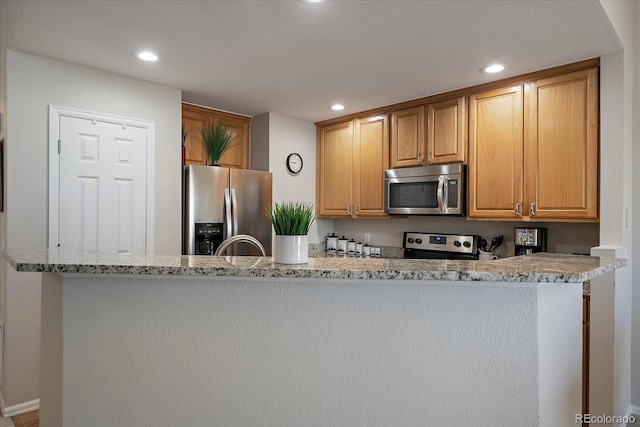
(234,203)
(227,214)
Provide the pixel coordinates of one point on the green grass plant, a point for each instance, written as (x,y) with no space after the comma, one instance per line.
(291,218)
(217,139)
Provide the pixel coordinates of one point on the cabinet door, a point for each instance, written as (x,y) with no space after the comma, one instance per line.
(334,192)
(447,131)
(193,120)
(496,154)
(407,137)
(371,158)
(238,155)
(561,158)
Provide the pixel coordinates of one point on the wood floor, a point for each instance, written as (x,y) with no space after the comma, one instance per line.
(29,419)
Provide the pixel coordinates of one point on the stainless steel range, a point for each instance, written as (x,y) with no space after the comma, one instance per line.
(418,245)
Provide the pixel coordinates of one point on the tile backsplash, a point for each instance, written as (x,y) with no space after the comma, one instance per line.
(566,238)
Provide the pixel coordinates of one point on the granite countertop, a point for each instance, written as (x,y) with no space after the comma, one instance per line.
(541,267)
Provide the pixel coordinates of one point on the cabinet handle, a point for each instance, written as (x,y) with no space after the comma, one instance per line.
(429,157)
(349,209)
(517,209)
(533,208)
(419,158)
(357,209)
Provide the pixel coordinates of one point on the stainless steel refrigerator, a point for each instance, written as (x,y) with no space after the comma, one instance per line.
(222,202)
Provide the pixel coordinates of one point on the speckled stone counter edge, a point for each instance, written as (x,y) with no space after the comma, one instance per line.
(537,268)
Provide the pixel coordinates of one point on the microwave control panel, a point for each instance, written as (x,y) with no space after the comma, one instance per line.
(452,195)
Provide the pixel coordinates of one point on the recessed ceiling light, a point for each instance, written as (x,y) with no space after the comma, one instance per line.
(147,56)
(493,68)
(337,107)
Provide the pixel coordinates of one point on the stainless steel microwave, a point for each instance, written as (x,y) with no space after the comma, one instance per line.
(429,190)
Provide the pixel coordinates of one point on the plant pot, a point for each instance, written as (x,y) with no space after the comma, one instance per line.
(291,249)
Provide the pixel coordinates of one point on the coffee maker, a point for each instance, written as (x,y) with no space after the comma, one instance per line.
(530,240)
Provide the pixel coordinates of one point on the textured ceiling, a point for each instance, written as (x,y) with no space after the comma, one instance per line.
(297,58)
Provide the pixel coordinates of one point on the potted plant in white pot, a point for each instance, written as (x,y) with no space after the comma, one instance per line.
(291,222)
(217,139)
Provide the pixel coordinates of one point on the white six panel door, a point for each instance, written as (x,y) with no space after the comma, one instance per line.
(103,185)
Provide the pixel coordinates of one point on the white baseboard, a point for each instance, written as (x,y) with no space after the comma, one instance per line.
(21,408)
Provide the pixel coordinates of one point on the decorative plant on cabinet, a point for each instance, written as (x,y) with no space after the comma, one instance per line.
(217,139)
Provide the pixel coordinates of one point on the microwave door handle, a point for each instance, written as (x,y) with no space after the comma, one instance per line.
(439,194)
(445,195)
(227,214)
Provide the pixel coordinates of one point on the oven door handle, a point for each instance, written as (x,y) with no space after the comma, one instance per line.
(441,193)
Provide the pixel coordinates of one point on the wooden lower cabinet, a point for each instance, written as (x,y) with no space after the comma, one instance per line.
(195,118)
(351,159)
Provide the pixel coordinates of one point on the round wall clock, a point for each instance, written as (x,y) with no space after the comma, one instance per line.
(294,163)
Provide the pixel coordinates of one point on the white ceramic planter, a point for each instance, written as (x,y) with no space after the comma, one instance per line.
(291,249)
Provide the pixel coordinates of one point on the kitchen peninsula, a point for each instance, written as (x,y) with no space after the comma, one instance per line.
(170,340)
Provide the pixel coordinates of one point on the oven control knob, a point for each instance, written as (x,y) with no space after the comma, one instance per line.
(456,244)
(466,244)
(410,240)
(418,241)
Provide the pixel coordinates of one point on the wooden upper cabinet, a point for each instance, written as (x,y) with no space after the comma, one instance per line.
(531,145)
(447,131)
(238,155)
(407,137)
(534,157)
(371,157)
(351,159)
(334,191)
(561,142)
(195,118)
(496,154)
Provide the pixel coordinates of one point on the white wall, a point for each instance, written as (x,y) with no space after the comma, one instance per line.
(313,352)
(8,21)
(259,149)
(34,83)
(617,151)
(635,352)
(287,135)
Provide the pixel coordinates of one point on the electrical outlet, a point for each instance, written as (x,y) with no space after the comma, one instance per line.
(626,218)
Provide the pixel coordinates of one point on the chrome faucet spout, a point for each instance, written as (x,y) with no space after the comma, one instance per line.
(244,238)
